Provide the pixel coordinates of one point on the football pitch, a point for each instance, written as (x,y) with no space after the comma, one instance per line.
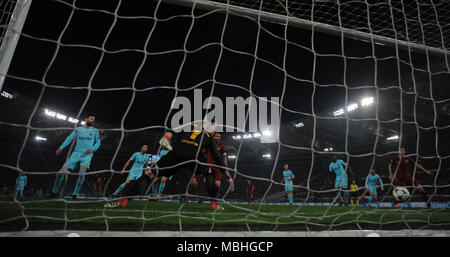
(142,215)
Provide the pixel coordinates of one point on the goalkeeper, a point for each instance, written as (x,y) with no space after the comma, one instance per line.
(185,154)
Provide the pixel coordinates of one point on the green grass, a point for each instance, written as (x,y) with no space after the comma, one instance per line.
(43,214)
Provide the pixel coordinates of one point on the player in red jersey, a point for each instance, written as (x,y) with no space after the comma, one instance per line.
(217,173)
(250,189)
(400,173)
(98,188)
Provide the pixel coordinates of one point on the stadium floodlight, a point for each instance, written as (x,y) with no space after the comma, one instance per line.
(256,135)
(61,116)
(6,95)
(50,113)
(299,125)
(247,136)
(268,155)
(392,138)
(237,137)
(267,133)
(82,123)
(331,148)
(367,101)
(232,157)
(352,107)
(326,149)
(338,112)
(38,138)
(73,120)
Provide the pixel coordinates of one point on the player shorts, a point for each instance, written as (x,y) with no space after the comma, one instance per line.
(408,181)
(353,194)
(134,175)
(79,157)
(372,190)
(341,182)
(20,187)
(289,187)
(217,173)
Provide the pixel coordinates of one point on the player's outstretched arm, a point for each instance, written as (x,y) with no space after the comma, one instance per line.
(97,141)
(351,171)
(126,165)
(423,169)
(66,142)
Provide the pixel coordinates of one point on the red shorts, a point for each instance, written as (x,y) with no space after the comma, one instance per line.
(405,181)
(217,174)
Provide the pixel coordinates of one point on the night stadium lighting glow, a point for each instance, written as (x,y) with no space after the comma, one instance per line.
(267,133)
(352,107)
(6,95)
(60,116)
(392,138)
(267,155)
(247,136)
(237,137)
(338,112)
(73,120)
(256,135)
(50,113)
(299,125)
(367,101)
(38,138)
(232,157)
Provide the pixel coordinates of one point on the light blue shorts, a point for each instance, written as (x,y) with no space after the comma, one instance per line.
(79,157)
(373,190)
(134,175)
(340,180)
(289,187)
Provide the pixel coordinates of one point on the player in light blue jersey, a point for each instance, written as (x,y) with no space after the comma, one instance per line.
(338,166)
(139,159)
(21,182)
(87,142)
(372,183)
(288,183)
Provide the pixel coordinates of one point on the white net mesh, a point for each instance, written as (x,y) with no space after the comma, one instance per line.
(358,79)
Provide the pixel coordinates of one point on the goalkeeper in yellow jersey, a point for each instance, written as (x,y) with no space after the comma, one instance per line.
(354,193)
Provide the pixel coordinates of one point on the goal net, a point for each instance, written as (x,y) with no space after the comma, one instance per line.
(290,84)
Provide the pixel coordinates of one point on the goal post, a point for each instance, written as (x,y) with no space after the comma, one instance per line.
(290,20)
(11,36)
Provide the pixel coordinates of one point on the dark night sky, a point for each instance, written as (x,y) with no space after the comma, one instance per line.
(123,65)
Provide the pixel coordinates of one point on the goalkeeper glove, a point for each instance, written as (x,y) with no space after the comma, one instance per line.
(165,143)
(230,180)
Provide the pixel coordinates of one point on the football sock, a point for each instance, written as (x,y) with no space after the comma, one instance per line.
(58,181)
(119,189)
(80,182)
